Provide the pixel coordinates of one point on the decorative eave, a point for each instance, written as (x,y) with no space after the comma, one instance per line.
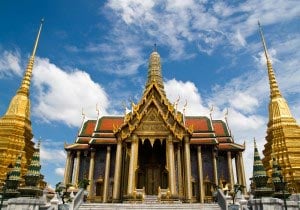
(231,147)
(201,141)
(105,141)
(76,146)
(133,119)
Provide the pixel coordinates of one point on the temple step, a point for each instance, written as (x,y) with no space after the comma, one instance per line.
(122,206)
(149,199)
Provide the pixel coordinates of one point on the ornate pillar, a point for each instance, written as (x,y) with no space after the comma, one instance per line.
(230,169)
(106,176)
(214,153)
(91,173)
(180,184)
(117,174)
(77,168)
(171,166)
(200,174)
(242,172)
(67,168)
(238,170)
(132,165)
(187,160)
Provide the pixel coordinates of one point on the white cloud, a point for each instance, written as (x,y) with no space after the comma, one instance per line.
(187,91)
(62,95)
(10,63)
(52,155)
(244,127)
(60,171)
(180,24)
(243,102)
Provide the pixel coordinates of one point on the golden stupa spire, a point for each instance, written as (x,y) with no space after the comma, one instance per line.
(20,103)
(272,79)
(24,89)
(154,70)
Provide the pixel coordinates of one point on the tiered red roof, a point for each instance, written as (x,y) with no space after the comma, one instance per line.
(205,131)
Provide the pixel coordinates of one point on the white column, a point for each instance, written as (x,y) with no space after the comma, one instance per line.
(106,176)
(117,174)
(180,176)
(200,172)
(230,169)
(187,160)
(91,173)
(214,153)
(77,168)
(132,165)
(171,165)
(237,167)
(67,168)
(242,173)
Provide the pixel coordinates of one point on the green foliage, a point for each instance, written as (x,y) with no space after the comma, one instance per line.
(62,191)
(84,183)
(235,190)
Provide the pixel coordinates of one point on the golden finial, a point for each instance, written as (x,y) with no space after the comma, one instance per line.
(82,113)
(184,106)
(155,48)
(37,38)
(226,113)
(263,40)
(97,110)
(176,103)
(272,80)
(27,77)
(39,142)
(211,110)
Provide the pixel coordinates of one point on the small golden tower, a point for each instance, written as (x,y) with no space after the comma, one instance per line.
(15,125)
(283,133)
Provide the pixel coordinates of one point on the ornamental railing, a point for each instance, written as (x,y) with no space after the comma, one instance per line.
(78,200)
(222,200)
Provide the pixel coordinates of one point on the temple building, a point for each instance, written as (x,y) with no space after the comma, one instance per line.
(15,126)
(283,133)
(154,150)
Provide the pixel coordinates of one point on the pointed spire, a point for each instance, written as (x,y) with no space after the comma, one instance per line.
(276,173)
(154,70)
(272,79)
(16,172)
(258,168)
(24,88)
(35,166)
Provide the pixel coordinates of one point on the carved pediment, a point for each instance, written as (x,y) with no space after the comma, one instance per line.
(152,124)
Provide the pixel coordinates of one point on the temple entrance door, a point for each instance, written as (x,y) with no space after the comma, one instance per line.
(152,161)
(152,179)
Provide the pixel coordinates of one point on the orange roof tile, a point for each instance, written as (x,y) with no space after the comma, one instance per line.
(107,123)
(220,128)
(199,123)
(88,128)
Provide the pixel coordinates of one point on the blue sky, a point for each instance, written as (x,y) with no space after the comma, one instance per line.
(96,52)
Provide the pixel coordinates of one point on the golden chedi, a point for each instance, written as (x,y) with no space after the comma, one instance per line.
(15,126)
(283,133)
